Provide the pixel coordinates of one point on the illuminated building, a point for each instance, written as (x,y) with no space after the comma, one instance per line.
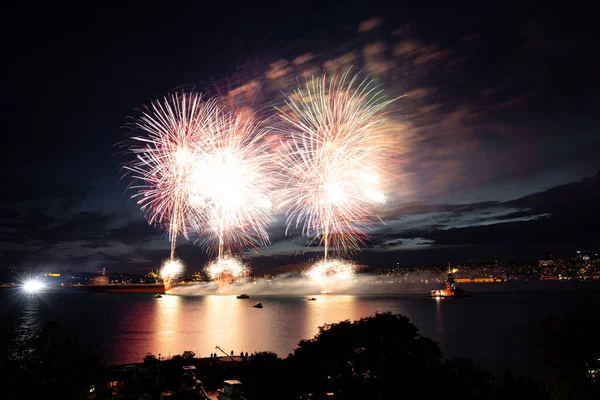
(450,290)
(479,280)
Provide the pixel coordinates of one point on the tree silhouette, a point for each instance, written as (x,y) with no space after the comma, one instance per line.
(463,376)
(188,354)
(266,370)
(568,344)
(150,360)
(522,388)
(375,357)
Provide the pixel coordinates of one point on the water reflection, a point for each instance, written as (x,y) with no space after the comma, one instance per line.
(28,326)
(168,325)
(235,325)
(127,326)
(328,309)
(225,317)
(174,324)
(439,316)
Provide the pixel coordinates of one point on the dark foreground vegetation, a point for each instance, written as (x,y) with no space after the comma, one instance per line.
(380,357)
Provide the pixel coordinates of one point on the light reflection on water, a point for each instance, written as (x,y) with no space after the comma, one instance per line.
(124,327)
(439,316)
(202,323)
(28,324)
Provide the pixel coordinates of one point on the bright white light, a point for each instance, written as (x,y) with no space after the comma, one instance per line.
(183,157)
(33,286)
(171,269)
(334,193)
(219,178)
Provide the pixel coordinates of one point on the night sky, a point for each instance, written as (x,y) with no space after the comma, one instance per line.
(498,122)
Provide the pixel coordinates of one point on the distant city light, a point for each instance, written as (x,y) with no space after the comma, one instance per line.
(33,286)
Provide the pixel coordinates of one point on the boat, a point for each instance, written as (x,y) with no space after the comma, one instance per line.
(158,296)
(450,291)
(243,296)
(258,305)
(311,298)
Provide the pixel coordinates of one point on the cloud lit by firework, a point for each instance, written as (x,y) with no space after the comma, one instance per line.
(334,156)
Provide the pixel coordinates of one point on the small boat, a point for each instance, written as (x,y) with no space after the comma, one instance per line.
(243,296)
(311,298)
(257,305)
(158,296)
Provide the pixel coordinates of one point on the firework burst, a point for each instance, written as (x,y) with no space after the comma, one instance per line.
(330,272)
(170,269)
(225,270)
(334,154)
(164,158)
(200,168)
(230,185)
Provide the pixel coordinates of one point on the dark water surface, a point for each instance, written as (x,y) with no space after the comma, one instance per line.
(490,328)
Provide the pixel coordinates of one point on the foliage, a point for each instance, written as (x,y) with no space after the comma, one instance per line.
(463,376)
(188,354)
(266,370)
(53,365)
(375,357)
(260,359)
(567,344)
(150,360)
(379,357)
(521,387)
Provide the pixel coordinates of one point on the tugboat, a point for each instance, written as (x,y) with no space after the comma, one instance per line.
(243,296)
(257,305)
(451,290)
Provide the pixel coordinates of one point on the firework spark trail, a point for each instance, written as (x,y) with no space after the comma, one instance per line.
(164,158)
(231,183)
(225,270)
(205,170)
(333,158)
(170,270)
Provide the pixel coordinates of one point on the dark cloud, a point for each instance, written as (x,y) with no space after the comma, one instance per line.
(39,226)
(83,225)
(7,214)
(35,192)
(567,215)
(133,232)
(394,244)
(562,218)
